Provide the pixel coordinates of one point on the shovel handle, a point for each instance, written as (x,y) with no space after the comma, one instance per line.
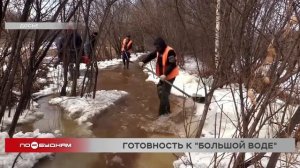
(170,83)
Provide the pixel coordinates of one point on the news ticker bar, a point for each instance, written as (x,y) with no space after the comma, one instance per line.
(39,25)
(148,145)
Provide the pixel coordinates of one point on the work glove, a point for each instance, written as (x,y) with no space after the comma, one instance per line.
(141,64)
(162,77)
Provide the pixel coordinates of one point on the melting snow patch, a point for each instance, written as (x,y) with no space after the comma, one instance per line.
(191,84)
(26,160)
(28,115)
(45,92)
(41,80)
(223,113)
(117,160)
(85,109)
(115,61)
(55,75)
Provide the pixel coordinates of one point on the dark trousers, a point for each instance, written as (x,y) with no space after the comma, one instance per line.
(163,91)
(126,57)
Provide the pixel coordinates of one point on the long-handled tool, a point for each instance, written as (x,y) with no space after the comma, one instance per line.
(198,99)
(128,57)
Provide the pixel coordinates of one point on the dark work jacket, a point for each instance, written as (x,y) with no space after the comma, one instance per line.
(170,65)
(69,44)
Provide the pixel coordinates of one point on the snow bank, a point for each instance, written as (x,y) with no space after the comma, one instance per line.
(4,67)
(26,160)
(190,65)
(49,59)
(55,75)
(107,63)
(115,61)
(45,92)
(189,83)
(224,110)
(41,80)
(55,78)
(226,107)
(28,115)
(83,110)
(223,113)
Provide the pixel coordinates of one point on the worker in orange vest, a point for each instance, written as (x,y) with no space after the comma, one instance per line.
(126,46)
(166,69)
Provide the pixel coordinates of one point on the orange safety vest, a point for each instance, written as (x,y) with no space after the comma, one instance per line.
(124,44)
(174,72)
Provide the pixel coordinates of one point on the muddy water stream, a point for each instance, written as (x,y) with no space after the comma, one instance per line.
(125,119)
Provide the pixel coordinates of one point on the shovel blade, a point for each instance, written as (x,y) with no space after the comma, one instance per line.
(199,99)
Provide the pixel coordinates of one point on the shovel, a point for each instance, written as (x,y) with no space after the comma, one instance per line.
(197,98)
(128,58)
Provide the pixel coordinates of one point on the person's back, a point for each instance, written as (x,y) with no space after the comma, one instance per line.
(68,45)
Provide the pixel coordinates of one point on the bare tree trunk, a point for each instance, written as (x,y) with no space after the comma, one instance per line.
(2,12)
(66,64)
(25,97)
(10,78)
(217,35)
(96,79)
